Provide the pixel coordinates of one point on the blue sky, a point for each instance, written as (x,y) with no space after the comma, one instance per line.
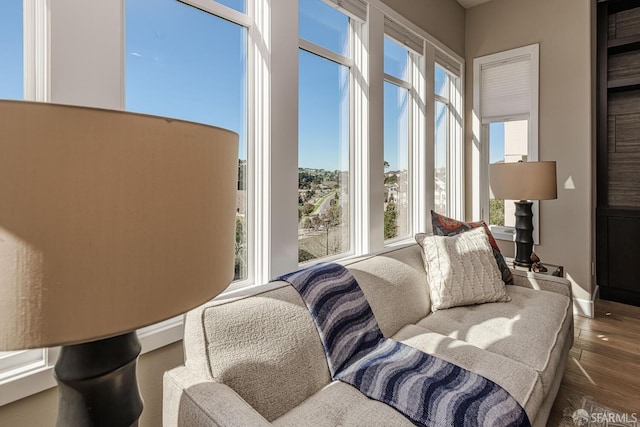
(396,107)
(11,80)
(184,63)
(496,145)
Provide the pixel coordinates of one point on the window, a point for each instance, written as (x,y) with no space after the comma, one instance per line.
(397,173)
(447,189)
(508,142)
(324,148)
(506,109)
(441,141)
(324,26)
(11,46)
(239,5)
(190,64)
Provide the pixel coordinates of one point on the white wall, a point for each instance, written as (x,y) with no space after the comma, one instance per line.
(563,30)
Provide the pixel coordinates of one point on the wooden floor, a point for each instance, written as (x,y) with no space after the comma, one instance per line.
(605,360)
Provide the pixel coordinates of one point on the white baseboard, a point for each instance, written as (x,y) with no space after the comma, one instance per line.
(585,307)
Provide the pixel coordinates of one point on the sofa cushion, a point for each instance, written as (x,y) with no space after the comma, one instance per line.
(531,329)
(445,226)
(339,404)
(461,269)
(266,348)
(395,284)
(521,381)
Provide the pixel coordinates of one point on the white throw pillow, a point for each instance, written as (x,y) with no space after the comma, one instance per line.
(461,269)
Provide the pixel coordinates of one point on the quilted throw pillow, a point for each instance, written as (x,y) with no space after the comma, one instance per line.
(461,269)
(445,226)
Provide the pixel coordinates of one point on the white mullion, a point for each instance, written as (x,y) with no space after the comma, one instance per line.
(448,139)
(484,173)
(396,81)
(257,134)
(36,50)
(221,11)
(452,136)
(461,142)
(361,139)
(412,137)
(420,207)
(478,139)
(280,152)
(428,157)
(354,95)
(324,52)
(457,160)
(373,147)
(441,98)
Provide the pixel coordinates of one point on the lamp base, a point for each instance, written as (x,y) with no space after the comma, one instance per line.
(524,234)
(97,383)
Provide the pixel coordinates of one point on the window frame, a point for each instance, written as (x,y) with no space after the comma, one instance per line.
(349,62)
(455,128)
(481,135)
(253,75)
(413,61)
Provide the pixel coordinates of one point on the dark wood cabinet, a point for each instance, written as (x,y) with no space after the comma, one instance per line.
(618,150)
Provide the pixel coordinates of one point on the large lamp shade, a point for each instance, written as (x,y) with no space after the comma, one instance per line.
(524,180)
(109,221)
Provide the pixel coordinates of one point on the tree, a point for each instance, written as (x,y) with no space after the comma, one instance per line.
(306,223)
(496,211)
(390,221)
(308,208)
(333,215)
(240,244)
(242,168)
(391,178)
(304,255)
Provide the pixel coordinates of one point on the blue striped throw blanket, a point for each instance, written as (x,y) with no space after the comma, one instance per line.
(426,389)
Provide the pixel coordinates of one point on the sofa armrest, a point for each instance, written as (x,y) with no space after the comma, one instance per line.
(544,282)
(188,400)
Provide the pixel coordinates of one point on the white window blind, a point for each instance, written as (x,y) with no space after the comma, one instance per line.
(505,87)
(403,36)
(448,63)
(356,9)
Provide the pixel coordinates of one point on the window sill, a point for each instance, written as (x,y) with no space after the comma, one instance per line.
(503,233)
(26,384)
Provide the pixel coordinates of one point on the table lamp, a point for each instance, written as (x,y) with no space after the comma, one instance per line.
(523,181)
(109,221)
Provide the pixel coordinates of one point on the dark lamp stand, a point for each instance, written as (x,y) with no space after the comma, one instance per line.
(97,383)
(524,233)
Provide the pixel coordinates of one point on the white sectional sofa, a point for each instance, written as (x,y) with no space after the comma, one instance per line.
(258,360)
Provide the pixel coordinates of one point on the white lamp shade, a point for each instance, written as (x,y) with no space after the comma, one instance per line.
(523,180)
(109,221)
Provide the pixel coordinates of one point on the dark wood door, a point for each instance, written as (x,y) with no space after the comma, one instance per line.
(618,151)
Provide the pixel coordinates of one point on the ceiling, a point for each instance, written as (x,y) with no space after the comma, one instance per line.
(470,3)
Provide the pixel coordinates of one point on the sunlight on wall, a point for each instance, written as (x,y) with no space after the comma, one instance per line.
(568,184)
